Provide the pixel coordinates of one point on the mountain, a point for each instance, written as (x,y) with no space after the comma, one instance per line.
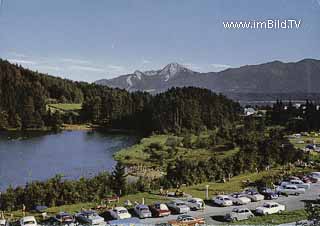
(272,77)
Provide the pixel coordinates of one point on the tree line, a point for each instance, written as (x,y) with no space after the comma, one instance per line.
(24,95)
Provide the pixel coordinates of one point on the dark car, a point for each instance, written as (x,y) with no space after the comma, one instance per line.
(268,193)
(159,210)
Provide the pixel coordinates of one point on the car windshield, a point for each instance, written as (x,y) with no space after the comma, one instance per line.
(267,205)
(29,222)
(226,199)
(122,211)
(180,204)
(144,209)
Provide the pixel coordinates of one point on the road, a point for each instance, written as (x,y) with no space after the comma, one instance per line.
(214,215)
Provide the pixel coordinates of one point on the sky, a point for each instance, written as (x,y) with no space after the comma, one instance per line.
(87,40)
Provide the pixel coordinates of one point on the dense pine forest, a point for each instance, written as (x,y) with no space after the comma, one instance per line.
(24,95)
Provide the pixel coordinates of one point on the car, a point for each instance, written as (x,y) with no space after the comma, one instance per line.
(300,184)
(178,206)
(315,176)
(195,204)
(222,200)
(28,221)
(142,211)
(239,214)
(119,213)
(91,218)
(290,189)
(64,218)
(268,193)
(270,208)
(239,199)
(159,210)
(3,222)
(308,179)
(187,220)
(253,195)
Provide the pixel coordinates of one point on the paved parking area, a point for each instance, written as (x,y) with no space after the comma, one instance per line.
(214,215)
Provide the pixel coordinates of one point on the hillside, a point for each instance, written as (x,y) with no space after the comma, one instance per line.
(273,77)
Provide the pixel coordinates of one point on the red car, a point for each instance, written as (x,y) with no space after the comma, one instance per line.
(307,179)
(159,210)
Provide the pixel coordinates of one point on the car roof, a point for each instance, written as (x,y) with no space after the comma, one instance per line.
(270,203)
(28,218)
(197,199)
(120,208)
(142,206)
(222,196)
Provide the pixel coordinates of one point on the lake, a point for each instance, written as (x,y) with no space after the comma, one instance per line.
(37,156)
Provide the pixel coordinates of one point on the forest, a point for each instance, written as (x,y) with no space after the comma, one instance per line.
(24,95)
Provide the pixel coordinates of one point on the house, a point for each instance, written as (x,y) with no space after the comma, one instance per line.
(249,111)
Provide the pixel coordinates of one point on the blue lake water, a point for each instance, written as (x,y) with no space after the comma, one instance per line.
(36,156)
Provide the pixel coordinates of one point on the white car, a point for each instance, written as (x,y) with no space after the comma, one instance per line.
(270,208)
(195,204)
(28,221)
(253,195)
(300,184)
(178,206)
(239,199)
(290,189)
(3,222)
(142,211)
(91,218)
(120,213)
(222,200)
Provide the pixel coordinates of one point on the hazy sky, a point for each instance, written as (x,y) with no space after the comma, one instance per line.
(94,39)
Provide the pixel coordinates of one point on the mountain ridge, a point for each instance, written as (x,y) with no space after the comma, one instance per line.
(273,77)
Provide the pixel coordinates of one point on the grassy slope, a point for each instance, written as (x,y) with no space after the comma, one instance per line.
(66,107)
(307,140)
(135,155)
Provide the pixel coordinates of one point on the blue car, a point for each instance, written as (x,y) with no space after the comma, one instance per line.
(269,194)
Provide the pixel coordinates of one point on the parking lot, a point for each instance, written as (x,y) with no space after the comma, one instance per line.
(214,215)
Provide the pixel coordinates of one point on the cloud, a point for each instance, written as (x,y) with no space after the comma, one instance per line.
(86,68)
(20,61)
(19,55)
(221,66)
(49,67)
(75,61)
(115,67)
(144,61)
(192,66)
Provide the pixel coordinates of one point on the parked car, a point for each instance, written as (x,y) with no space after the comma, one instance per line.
(195,204)
(253,195)
(290,189)
(222,200)
(119,213)
(268,193)
(28,221)
(300,184)
(91,218)
(270,208)
(142,211)
(159,210)
(3,222)
(239,199)
(239,214)
(64,218)
(308,179)
(178,206)
(40,209)
(187,220)
(315,176)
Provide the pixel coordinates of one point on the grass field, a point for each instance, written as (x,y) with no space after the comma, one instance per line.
(311,139)
(135,155)
(276,219)
(64,107)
